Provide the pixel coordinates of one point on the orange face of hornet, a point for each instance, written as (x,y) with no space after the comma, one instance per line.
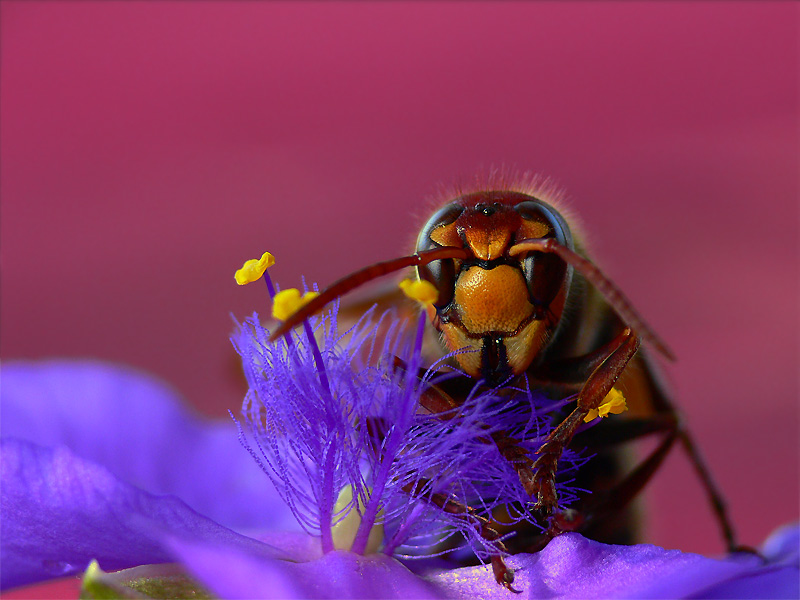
(504,308)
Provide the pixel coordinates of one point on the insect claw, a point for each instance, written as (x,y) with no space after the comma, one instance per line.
(544,508)
(546,499)
(503,575)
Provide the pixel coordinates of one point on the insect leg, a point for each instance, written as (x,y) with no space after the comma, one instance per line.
(625,430)
(715,497)
(590,397)
(603,505)
(485,528)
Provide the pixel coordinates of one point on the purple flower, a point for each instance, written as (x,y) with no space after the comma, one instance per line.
(341,415)
(102,463)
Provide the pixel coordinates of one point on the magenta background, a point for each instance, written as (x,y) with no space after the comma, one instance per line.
(149,148)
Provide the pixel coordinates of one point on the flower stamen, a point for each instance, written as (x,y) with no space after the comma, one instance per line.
(420,290)
(287,302)
(253,269)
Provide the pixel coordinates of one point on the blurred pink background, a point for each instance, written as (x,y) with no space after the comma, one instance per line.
(148,149)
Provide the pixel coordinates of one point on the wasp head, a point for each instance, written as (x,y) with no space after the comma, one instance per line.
(503,308)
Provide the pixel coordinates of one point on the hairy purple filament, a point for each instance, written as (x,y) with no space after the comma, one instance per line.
(308,407)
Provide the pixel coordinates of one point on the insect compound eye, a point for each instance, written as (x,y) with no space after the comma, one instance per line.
(441,273)
(544,272)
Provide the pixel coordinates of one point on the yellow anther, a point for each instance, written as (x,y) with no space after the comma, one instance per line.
(344,532)
(613,404)
(287,302)
(253,269)
(420,290)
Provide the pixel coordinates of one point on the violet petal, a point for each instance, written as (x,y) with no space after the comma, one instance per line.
(780,578)
(137,427)
(572,566)
(60,512)
(233,574)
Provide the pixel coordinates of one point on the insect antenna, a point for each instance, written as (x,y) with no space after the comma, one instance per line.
(604,285)
(354,280)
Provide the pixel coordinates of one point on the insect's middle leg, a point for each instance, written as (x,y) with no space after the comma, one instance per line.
(592,394)
(596,512)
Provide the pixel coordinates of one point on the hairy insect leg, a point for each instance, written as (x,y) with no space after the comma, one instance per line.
(715,497)
(485,528)
(602,505)
(622,431)
(590,397)
(377,429)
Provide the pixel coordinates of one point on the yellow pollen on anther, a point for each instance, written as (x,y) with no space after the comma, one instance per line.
(420,290)
(253,269)
(289,301)
(613,404)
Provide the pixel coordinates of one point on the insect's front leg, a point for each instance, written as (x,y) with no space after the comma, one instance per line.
(439,402)
(486,529)
(592,394)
